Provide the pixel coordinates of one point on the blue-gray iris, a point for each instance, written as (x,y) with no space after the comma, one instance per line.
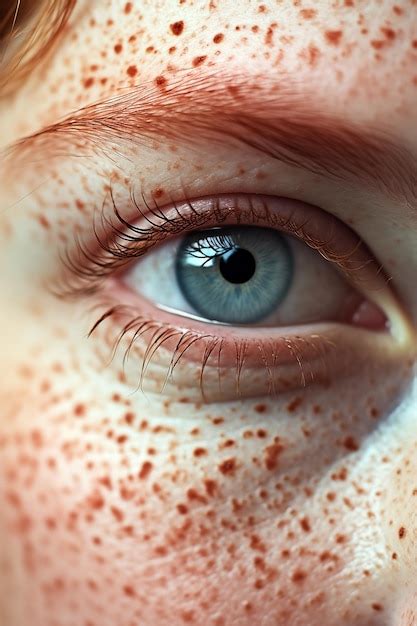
(236,274)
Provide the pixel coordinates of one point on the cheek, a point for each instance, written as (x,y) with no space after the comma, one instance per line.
(168,513)
(400,505)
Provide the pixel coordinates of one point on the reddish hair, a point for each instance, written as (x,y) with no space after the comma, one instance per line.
(27,35)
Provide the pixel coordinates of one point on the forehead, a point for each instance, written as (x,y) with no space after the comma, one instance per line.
(359,57)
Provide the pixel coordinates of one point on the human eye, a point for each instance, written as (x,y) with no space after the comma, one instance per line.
(234,295)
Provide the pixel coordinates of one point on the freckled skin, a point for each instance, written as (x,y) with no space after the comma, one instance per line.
(287,510)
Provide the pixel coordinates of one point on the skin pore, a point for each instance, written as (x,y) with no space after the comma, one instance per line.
(123,507)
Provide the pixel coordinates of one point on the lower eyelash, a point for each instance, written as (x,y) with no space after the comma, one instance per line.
(221,354)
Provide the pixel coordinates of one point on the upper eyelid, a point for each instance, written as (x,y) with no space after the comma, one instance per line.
(278,120)
(118,243)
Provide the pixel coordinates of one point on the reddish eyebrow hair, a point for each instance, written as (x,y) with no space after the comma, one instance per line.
(275,116)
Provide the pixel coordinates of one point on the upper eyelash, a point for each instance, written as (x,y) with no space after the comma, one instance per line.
(86,265)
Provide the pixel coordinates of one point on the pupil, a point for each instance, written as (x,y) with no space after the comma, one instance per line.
(237,266)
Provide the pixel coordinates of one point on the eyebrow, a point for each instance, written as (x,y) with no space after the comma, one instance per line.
(275,116)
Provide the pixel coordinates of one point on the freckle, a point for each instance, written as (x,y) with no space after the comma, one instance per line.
(132,70)
(145,470)
(149,49)
(129,417)
(177,27)
(218,38)
(95,501)
(262,9)
(270,34)
(125,493)
(121,439)
(210,486)
(79,410)
(340,539)
(389,33)
(414,43)
(402,532)
(158,193)
(299,576)
(229,443)
(377,44)
(377,607)
(51,462)
(44,222)
(294,404)
(117,514)
(349,3)
(308,14)
(37,439)
(217,421)
(305,524)
(88,82)
(260,408)
(182,509)
(118,48)
(199,452)
(333,37)
(398,10)
(199,60)
(261,433)
(128,7)
(340,475)
(171,50)
(45,386)
(313,54)
(228,467)
(106,482)
(128,591)
(257,544)
(394,556)
(350,444)
(193,495)
(161,82)
(272,453)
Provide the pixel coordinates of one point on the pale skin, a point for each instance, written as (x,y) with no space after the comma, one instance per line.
(120,507)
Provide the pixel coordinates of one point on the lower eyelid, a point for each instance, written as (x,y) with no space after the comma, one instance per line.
(264,361)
